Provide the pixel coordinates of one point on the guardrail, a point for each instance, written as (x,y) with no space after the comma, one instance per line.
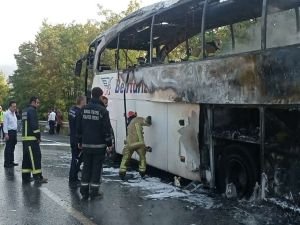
(44,127)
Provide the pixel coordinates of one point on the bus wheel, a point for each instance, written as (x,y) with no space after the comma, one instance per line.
(237,166)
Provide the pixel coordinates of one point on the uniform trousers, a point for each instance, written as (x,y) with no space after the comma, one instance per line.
(92,170)
(10,148)
(31,163)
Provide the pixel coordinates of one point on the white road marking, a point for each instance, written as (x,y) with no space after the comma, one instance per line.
(67,207)
(54,144)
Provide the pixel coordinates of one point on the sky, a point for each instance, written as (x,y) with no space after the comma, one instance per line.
(20,20)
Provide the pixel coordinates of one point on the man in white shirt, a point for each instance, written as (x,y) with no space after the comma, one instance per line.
(51,120)
(10,133)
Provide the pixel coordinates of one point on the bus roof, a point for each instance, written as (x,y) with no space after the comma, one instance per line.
(177,18)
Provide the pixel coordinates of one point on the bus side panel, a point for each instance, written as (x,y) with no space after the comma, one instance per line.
(116,113)
(114,125)
(156,134)
(183,147)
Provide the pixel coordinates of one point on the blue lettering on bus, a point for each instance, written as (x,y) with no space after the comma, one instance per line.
(131,87)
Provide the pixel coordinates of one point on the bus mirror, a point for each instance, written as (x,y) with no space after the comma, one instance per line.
(78,68)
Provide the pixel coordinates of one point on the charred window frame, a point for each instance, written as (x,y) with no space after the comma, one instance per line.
(151,40)
(297,19)
(176,33)
(203,29)
(117,56)
(132,46)
(106,60)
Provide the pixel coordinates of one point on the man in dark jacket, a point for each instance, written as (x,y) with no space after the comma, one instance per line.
(31,137)
(74,113)
(93,132)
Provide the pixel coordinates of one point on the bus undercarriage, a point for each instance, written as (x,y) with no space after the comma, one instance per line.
(253,143)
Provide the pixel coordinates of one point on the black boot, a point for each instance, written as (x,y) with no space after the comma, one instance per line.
(96,193)
(84,191)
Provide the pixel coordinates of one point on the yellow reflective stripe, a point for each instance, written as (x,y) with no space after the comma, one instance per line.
(25,128)
(94,146)
(32,160)
(36,131)
(36,171)
(29,138)
(26,170)
(139,132)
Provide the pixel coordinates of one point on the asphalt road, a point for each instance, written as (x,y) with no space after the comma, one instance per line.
(151,201)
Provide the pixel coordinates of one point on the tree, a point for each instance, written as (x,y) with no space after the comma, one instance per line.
(46,65)
(4,90)
(24,78)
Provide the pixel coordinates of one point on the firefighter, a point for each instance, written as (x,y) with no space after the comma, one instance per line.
(74,113)
(31,137)
(93,132)
(135,142)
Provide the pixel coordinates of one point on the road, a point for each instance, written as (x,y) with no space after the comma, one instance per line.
(135,202)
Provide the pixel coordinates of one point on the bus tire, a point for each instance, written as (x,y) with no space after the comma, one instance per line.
(237,166)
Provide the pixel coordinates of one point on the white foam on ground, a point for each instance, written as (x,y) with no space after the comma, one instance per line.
(157,190)
(284,205)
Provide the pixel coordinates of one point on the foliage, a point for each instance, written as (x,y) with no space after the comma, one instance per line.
(46,65)
(4,90)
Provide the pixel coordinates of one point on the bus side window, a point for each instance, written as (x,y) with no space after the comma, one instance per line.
(281,27)
(247,36)
(132,58)
(106,61)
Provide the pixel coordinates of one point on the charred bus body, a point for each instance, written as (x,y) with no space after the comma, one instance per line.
(232,116)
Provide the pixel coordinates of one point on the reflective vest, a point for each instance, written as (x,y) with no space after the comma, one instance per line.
(1,117)
(30,125)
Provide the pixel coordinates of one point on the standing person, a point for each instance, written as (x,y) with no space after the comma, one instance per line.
(1,123)
(10,126)
(74,113)
(135,142)
(93,131)
(19,120)
(59,121)
(31,138)
(51,121)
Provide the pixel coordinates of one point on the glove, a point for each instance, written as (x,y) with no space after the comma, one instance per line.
(149,120)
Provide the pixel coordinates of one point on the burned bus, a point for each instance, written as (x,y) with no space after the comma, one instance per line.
(221,80)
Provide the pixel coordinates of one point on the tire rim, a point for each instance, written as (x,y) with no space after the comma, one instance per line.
(236,173)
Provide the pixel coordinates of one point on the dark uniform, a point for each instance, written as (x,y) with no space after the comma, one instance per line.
(74,113)
(31,137)
(93,130)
